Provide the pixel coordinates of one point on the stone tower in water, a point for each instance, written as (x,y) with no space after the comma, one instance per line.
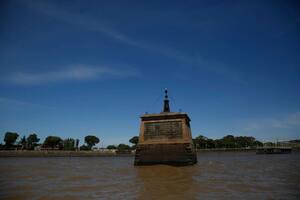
(165,138)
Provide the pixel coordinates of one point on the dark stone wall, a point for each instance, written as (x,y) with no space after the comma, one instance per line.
(172,154)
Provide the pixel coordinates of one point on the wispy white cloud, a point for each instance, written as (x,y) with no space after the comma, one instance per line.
(70,73)
(289,121)
(81,20)
(89,23)
(8,103)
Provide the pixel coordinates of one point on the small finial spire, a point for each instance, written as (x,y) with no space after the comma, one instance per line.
(166,93)
(166,102)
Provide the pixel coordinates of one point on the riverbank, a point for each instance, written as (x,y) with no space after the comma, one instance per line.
(242,149)
(56,153)
(226,149)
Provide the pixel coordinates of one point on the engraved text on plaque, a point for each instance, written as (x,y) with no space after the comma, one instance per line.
(161,130)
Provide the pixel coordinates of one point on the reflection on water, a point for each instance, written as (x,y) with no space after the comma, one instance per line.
(216,176)
(166,181)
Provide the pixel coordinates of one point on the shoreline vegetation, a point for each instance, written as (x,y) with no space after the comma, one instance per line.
(60,153)
(105,153)
(54,146)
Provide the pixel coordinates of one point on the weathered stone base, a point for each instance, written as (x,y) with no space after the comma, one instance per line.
(171,154)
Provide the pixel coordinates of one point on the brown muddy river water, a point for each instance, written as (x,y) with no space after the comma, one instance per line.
(235,175)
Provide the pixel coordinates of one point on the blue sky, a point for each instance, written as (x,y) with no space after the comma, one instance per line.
(73,68)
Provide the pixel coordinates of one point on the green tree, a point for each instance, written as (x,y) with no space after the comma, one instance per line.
(23,142)
(32,140)
(84,148)
(69,144)
(257,143)
(134,140)
(123,148)
(91,140)
(111,147)
(53,142)
(200,142)
(210,143)
(218,143)
(228,141)
(77,144)
(10,138)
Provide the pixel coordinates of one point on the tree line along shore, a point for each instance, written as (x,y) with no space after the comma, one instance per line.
(56,146)
(32,142)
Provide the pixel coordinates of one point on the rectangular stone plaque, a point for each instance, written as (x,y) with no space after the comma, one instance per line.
(163,130)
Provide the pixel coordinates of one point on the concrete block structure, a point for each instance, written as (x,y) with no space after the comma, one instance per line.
(165,138)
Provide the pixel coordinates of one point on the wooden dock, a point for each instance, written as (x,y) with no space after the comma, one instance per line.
(273,150)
